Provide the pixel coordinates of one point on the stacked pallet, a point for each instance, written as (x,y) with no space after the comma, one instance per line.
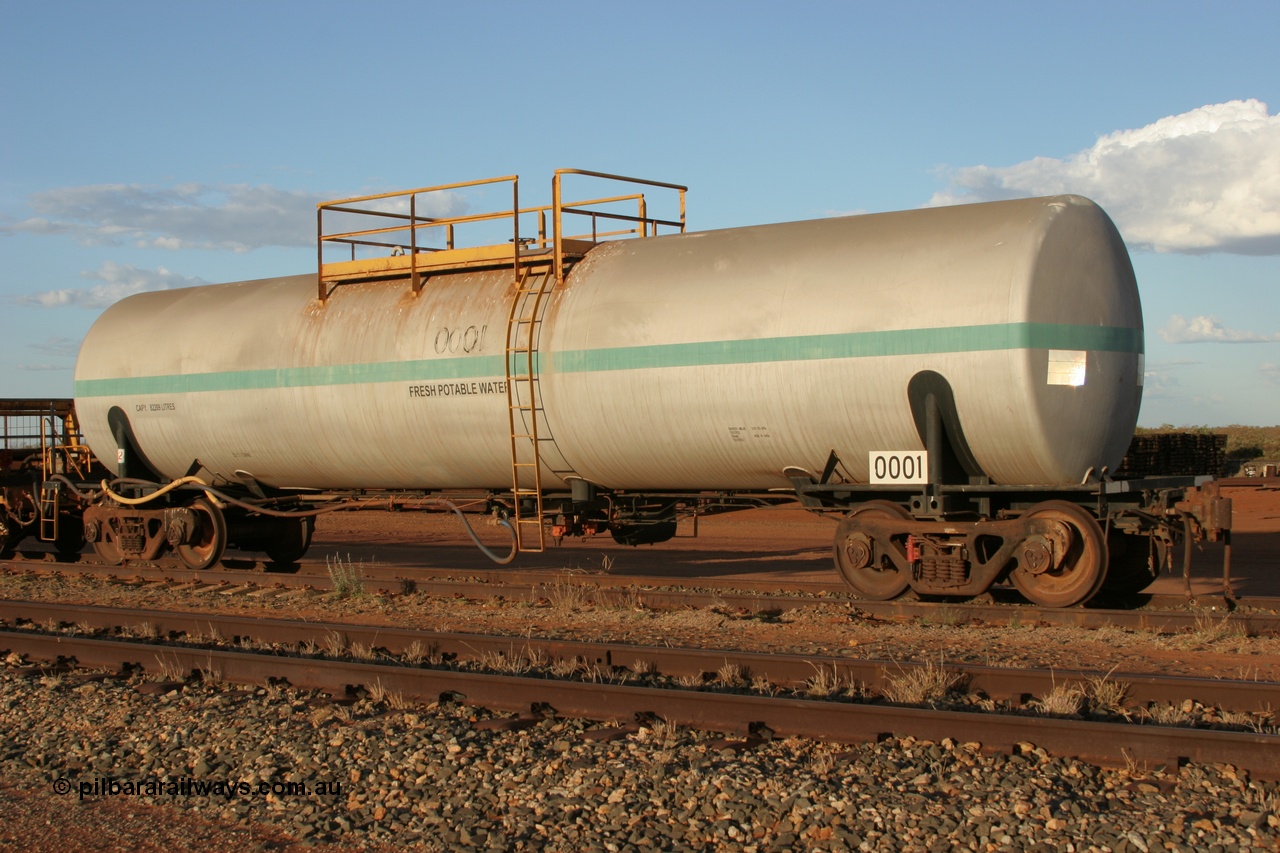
(1175,454)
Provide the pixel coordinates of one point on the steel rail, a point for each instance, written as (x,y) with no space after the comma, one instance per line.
(1168,613)
(238,569)
(1018,686)
(1111,744)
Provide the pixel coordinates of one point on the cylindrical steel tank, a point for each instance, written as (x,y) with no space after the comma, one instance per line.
(709,360)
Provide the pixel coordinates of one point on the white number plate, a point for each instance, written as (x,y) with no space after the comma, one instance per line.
(900,467)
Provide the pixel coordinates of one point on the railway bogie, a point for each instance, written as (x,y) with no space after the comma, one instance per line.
(1059,546)
(194,526)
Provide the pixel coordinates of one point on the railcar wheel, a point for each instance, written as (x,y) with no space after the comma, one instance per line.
(862,561)
(210,538)
(1066,567)
(107,550)
(292,541)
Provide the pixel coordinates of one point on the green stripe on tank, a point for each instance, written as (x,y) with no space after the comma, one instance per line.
(955,339)
(418,370)
(1004,336)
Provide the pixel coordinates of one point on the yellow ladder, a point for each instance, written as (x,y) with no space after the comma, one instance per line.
(50,490)
(524,322)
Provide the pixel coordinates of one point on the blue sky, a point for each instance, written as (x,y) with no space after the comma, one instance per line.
(150,145)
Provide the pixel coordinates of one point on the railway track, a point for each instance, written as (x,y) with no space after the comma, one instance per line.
(621,685)
(1162,613)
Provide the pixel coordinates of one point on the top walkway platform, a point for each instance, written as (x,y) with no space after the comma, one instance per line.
(400,235)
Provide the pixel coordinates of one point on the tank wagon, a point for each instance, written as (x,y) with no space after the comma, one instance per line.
(951,385)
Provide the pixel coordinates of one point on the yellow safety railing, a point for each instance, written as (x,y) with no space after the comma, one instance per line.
(397,248)
(642,225)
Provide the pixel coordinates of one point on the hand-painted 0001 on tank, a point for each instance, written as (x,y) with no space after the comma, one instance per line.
(605,369)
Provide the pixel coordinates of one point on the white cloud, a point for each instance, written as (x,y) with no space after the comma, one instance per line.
(1158,386)
(62,348)
(232,217)
(1203,329)
(120,280)
(1270,373)
(1160,379)
(58,347)
(1203,181)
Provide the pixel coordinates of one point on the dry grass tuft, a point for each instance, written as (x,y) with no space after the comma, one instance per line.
(567,667)
(1063,700)
(347,577)
(641,666)
(363,651)
(1105,694)
(171,670)
(1211,630)
(733,675)
(762,685)
(824,682)
(566,594)
(921,685)
(695,681)
(335,644)
(1162,714)
(603,674)
(210,674)
(630,599)
(380,694)
(142,631)
(822,762)
(418,653)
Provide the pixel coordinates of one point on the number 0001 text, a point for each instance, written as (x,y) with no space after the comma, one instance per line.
(906,467)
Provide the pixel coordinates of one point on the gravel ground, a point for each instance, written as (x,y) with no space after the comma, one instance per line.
(449,778)
(445,778)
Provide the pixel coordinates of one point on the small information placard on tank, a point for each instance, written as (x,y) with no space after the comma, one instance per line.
(899,467)
(1067,367)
